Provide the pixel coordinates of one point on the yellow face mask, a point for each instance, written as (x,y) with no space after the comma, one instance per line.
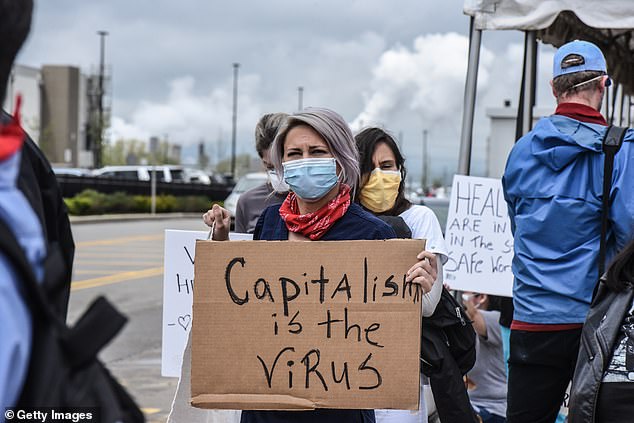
(381,190)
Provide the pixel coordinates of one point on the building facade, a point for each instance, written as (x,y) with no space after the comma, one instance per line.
(58,111)
(502,136)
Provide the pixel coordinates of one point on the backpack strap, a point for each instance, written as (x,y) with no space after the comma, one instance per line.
(93,330)
(611,145)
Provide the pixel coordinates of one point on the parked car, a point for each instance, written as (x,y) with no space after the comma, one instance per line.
(164,173)
(220,178)
(129,173)
(196,176)
(71,171)
(177,172)
(248,181)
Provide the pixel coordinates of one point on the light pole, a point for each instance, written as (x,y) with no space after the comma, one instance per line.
(234,120)
(98,143)
(300,99)
(424,159)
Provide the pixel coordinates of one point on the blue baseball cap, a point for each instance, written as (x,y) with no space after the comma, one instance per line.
(578,56)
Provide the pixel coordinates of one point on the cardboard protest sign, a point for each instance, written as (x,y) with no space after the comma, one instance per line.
(178,291)
(302,325)
(479,238)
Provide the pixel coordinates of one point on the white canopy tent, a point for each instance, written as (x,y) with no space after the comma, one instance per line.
(531,15)
(607,23)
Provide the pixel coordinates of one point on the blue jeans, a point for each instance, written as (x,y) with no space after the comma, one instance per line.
(487,417)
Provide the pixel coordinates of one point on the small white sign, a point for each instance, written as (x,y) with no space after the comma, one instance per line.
(478,237)
(178,286)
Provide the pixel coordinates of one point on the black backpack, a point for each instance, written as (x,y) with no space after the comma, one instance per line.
(447,330)
(447,353)
(398,224)
(64,370)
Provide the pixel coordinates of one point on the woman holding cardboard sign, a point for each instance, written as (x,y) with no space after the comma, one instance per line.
(317,156)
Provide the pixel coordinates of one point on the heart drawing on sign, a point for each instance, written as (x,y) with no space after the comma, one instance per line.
(184,321)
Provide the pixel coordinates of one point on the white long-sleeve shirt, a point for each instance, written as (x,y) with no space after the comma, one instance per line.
(424,225)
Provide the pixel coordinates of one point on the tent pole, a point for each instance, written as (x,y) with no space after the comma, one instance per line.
(529,80)
(466,136)
(621,119)
(607,103)
(519,126)
(615,93)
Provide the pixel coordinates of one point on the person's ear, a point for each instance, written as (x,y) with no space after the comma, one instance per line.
(604,84)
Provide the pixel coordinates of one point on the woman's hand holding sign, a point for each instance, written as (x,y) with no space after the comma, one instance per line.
(219,219)
(424,272)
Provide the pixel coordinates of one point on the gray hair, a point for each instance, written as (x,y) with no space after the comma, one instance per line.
(334,130)
(266,130)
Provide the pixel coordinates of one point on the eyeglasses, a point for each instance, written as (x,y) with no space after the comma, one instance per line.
(608,82)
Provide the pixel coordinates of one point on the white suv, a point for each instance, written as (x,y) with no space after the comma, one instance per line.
(141,173)
(248,181)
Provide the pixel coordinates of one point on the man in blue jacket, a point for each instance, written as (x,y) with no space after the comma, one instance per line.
(553,187)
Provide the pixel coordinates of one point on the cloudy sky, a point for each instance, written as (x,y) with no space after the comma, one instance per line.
(400,64)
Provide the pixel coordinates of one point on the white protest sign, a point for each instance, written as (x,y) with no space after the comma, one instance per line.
(178,285)
(479,238)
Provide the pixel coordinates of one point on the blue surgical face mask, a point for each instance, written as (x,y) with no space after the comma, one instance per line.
(311,179)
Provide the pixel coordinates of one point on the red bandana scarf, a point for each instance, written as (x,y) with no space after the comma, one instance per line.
(580,112)
(315,225)
(11,134)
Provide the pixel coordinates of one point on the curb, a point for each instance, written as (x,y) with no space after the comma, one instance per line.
(107,218)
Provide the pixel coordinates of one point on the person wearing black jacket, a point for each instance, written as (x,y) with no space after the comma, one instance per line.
(602,385)
(38,184)
(18,220)
(43,362)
